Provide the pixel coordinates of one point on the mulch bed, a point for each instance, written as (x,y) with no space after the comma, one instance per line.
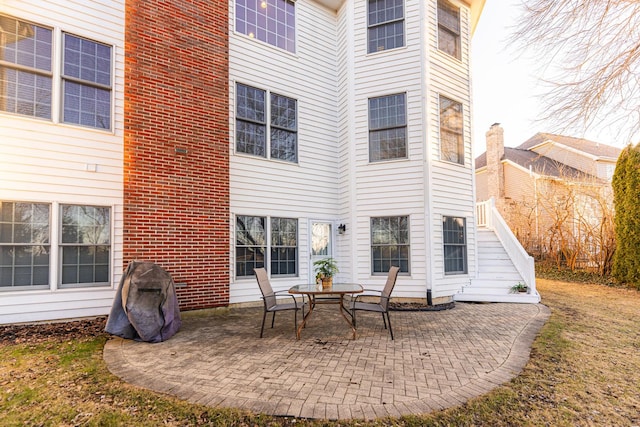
(419,306)
(57,331)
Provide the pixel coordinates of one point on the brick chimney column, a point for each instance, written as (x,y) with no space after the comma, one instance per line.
(495,153)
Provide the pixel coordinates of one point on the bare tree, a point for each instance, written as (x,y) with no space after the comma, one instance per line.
(589,53)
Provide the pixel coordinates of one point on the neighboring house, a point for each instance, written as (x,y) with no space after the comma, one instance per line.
(555,193)
(215,137)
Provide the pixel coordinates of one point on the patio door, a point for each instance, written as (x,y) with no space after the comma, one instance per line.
(321,244)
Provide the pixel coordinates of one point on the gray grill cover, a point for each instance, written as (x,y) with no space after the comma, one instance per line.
(145,307)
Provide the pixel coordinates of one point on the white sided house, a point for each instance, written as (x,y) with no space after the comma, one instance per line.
(349,135)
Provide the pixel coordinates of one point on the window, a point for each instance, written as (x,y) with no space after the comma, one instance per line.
(385,24)
(390,243)
(251,245)
(284,246)
(270,21)
(86,80)
(455,245)
(284,136)
(24,245)
(449,28)
(251,124)
(451,138)
(27,75)
(25,68)
(85,245)
(387,127)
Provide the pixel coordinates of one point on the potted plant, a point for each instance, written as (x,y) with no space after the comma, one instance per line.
(326,268)
(519,288)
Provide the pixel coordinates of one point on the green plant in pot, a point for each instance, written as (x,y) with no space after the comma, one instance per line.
(519,287)
(326,268)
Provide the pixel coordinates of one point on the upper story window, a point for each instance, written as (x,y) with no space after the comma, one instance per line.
(270,21)
(449,28)
(27,75)
(252,125)
(388,127)
(455,245)
(390,243)
(385,24)
(451,131)
(86,81)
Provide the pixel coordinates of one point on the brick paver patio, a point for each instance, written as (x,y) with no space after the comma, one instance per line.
(438,359)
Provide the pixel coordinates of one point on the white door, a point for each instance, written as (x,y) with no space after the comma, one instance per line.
(321,244)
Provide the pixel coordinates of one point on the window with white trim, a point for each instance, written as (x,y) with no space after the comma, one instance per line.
(389,243)
(455,245)
(27,73)
(84,246)
(24,245)
(449,28)
(278,254)
(252,125)
(451,131)
(385,22)
(388,127)
(270,21)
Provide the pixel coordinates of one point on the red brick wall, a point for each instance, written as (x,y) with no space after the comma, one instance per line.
(176,165)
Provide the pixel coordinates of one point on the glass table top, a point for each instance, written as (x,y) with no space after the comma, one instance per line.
(336,288)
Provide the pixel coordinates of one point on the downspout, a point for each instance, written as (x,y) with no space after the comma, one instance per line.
(426,149)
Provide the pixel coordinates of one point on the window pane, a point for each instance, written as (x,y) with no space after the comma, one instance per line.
(387,127)
(251,126)
(86,248)
(385,24)
(455,246)
(284,137)
(24,245)
(284,246)
(86,103)
(390,243)
(451,131)
(250,244)
(270,21)
(449,29)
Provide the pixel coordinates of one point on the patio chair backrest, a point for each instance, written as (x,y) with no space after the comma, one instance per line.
(388,287)
(265,287)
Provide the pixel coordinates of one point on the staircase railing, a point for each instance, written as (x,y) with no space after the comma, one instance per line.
(488,216)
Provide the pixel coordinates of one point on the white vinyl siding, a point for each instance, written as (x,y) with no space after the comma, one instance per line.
(57,163)
(307,189)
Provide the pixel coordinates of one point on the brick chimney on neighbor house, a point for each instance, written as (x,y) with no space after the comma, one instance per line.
(495,171)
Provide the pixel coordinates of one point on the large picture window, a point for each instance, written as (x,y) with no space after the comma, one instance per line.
(385,24)
(27,74)
(449,28)
(85,245)
(270,21)
(451,131)
(388,127)
(390,243)
(252,245)
(455,245)
(24,245)
(252,125)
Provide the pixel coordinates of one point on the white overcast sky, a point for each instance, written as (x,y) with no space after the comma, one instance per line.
(504,85)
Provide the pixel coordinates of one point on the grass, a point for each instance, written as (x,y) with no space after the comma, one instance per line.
(584,371)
